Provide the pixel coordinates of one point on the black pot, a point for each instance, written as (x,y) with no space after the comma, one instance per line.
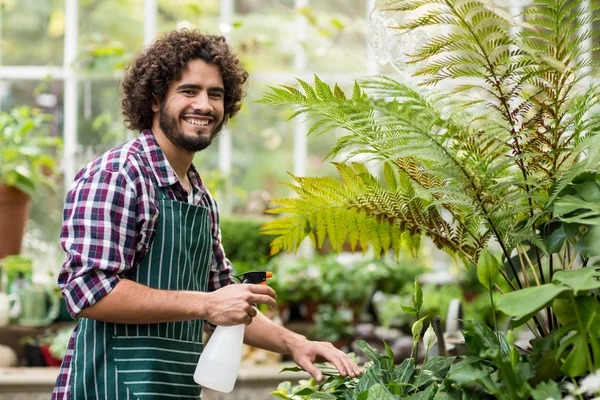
(33,355)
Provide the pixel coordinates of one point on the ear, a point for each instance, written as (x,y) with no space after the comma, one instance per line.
(155,104)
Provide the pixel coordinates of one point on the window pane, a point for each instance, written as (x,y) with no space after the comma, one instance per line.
(110,31)
(32,32)
(262,147)
(203,15)
(336,39)
(264,35)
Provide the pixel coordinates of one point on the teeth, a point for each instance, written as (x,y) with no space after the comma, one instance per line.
(197,122)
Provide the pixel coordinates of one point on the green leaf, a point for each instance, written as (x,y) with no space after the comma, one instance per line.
(546,390)
(418,295)
(337,23)
(409,310)
(528,301)
(580,279)
(417,328)
(556,241)
(426,394)
(439,365)
(372,353)
(304,392)
(488,269)
(380,392)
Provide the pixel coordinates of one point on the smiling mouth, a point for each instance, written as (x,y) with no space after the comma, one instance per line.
(197,122)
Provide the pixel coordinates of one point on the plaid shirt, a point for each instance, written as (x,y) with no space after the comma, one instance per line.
(110,219)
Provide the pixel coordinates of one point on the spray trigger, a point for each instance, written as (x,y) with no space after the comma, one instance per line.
(256,277)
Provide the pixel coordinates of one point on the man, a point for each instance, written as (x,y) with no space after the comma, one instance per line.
(145,266)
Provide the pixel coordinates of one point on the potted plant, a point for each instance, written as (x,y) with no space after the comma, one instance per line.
(507,159)
(27,159)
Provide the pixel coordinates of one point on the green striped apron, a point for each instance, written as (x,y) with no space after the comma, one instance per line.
(154,361)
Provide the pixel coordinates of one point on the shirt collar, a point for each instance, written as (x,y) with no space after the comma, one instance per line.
(162,170)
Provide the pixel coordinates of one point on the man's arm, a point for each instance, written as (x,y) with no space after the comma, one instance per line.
(133,303)
(266,334)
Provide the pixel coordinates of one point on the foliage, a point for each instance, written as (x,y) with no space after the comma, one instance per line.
(575,343)
(244,245)
(327,278)
(492,369)
(390,313)
(28,154)
(332,324)
(506,153)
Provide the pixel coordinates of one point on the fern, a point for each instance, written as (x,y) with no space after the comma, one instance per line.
(480,161)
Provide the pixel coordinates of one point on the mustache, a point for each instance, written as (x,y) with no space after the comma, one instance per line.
(199,113)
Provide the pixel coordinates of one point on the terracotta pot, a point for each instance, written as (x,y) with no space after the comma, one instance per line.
(14,213)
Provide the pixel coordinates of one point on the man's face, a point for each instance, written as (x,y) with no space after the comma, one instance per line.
(192,113)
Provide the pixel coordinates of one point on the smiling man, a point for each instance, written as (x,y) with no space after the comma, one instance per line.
(145,266)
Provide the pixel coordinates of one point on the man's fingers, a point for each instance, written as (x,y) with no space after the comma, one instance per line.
(263,289)
(263,299)
(252,312)
(312,370)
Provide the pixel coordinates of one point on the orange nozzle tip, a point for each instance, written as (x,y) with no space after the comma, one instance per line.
(263,283)
(269,274)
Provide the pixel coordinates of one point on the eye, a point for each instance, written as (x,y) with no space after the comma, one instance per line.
(217,95)
(188,92)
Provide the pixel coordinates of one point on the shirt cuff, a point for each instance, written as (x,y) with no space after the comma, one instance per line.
(85,290)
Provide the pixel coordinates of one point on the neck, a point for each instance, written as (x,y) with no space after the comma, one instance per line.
(179,158)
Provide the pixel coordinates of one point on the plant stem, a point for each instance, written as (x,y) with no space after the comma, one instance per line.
(421,371)
(495,323)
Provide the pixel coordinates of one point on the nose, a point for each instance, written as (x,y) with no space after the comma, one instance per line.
(202,103)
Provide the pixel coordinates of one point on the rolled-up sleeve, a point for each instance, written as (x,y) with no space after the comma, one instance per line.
(99,236)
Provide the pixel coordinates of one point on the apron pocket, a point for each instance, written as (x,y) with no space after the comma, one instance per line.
(155,368)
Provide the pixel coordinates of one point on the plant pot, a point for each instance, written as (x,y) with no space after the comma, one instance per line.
(33,355)
(14,213)
(50,360)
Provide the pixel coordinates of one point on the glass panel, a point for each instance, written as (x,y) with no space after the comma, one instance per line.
(110,31)
(264,34)
(262,148)
(100,123)
(336,39)
(203,15)
(32,32)
(41,241)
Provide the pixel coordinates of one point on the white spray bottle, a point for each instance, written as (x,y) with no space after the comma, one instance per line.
(220,361)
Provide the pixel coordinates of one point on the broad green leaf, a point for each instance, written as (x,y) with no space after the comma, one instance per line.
(426,394)
(586,278)
(546,390)
(556,241)
(372,353)
(304,392)
(380,392)
(439,365)
(528,301)
(322,396)
(487,269)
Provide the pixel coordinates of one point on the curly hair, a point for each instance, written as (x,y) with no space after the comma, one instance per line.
(146,79)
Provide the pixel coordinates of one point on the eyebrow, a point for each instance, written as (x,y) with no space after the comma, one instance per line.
(198,87)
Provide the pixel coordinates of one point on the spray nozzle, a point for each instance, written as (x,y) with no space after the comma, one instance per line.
(254,277)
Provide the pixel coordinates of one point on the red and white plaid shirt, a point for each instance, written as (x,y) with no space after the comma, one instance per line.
(109,221)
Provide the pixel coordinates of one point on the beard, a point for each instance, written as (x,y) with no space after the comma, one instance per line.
(170,126)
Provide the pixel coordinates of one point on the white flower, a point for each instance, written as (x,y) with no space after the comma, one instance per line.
(429,338)
(590,384)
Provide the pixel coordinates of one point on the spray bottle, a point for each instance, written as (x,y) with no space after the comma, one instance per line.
(220,361)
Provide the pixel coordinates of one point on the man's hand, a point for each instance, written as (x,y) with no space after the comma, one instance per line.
(233,304)
(306,352)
